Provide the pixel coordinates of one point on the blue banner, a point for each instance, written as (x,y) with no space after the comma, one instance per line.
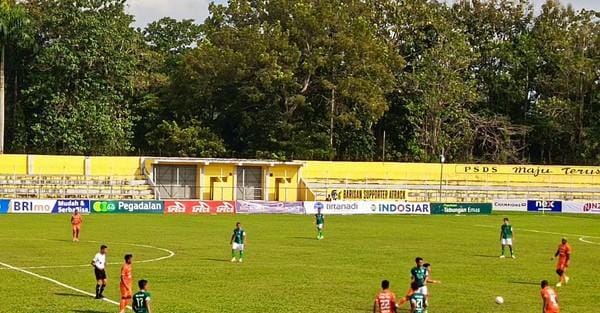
(69,206)
(4,205)
(544,206)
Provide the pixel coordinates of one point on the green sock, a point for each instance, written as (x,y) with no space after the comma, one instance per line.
(232,253)
(511,250)
(502,250)
(241,254)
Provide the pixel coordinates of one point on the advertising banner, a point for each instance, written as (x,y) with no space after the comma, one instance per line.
(199,207)
(509,205)
(49,206)
(544,206)
(31,206)
(69,206)
(461,208)
(337,207)
(368,207)
(417,208)
(269,207)
(128,206)
(590,207)
(4,205)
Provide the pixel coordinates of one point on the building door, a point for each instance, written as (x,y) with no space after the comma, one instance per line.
(176,181)
(249,183)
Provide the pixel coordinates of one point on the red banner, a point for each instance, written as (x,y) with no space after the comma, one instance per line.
(199,207)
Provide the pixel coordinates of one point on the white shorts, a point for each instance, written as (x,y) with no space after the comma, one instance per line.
(507,242)
(237,246)
(319,226)
(422,290)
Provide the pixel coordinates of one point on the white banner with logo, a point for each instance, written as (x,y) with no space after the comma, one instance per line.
(31,206)
(590,207)
(509,205)
(367,207)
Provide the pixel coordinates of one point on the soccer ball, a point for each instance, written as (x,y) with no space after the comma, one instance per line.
(499,300)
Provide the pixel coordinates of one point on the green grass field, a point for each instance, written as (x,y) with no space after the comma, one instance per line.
(287,270)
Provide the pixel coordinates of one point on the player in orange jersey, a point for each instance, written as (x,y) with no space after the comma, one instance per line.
(564,258)
(76,224)
(549,299)
(385,301)
(126,283)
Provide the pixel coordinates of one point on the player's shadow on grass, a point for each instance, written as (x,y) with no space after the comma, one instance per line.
(305,238)
(485,256)
(62,294)
(214,260)
(524,283)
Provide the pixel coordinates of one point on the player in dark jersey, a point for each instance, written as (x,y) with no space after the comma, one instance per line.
(419,275)
(320,222)
(418,301)
(506,237)
(238,238)
(141,299)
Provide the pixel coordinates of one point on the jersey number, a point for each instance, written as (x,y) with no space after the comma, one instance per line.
(139,302)
(384,304)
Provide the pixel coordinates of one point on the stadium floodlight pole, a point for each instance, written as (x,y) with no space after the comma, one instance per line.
(442,160)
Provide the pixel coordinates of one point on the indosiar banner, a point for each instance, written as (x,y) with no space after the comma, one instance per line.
(128,206)
(368,207)
(461,208)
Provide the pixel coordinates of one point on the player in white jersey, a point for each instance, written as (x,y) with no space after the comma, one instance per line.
(99,264)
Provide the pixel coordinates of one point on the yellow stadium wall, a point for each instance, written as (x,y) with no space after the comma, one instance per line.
(115,166)
(69,165)
(282,184)
(452,173)
(13,164)
(218,182)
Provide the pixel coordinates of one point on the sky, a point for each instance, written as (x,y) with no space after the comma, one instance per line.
(146,11)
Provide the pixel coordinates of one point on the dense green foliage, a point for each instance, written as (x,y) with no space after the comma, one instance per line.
(478,81)
(286,269)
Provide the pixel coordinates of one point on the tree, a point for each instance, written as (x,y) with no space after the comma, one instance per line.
(13,32)
(288,79)
(79,83)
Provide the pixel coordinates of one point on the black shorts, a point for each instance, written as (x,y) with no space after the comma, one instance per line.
(100,274)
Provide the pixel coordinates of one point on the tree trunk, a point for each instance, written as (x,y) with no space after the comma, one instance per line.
(2,100)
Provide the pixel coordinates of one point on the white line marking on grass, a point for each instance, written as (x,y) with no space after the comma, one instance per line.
(54,281)
(587,241)
(169,255)
(543,232)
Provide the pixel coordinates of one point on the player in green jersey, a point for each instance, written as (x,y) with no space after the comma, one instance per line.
(418,301)
(506,237)
(320,222)
(141,299)
(419,275)
(237,242)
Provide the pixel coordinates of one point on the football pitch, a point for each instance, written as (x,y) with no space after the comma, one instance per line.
(187,262)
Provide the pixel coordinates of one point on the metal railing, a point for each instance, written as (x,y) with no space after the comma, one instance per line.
(417,193)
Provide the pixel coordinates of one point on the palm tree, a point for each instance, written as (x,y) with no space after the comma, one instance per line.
(13,24)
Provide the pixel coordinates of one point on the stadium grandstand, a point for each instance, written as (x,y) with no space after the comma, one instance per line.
(39,176)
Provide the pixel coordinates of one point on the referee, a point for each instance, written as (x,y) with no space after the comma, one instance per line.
(99,264)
